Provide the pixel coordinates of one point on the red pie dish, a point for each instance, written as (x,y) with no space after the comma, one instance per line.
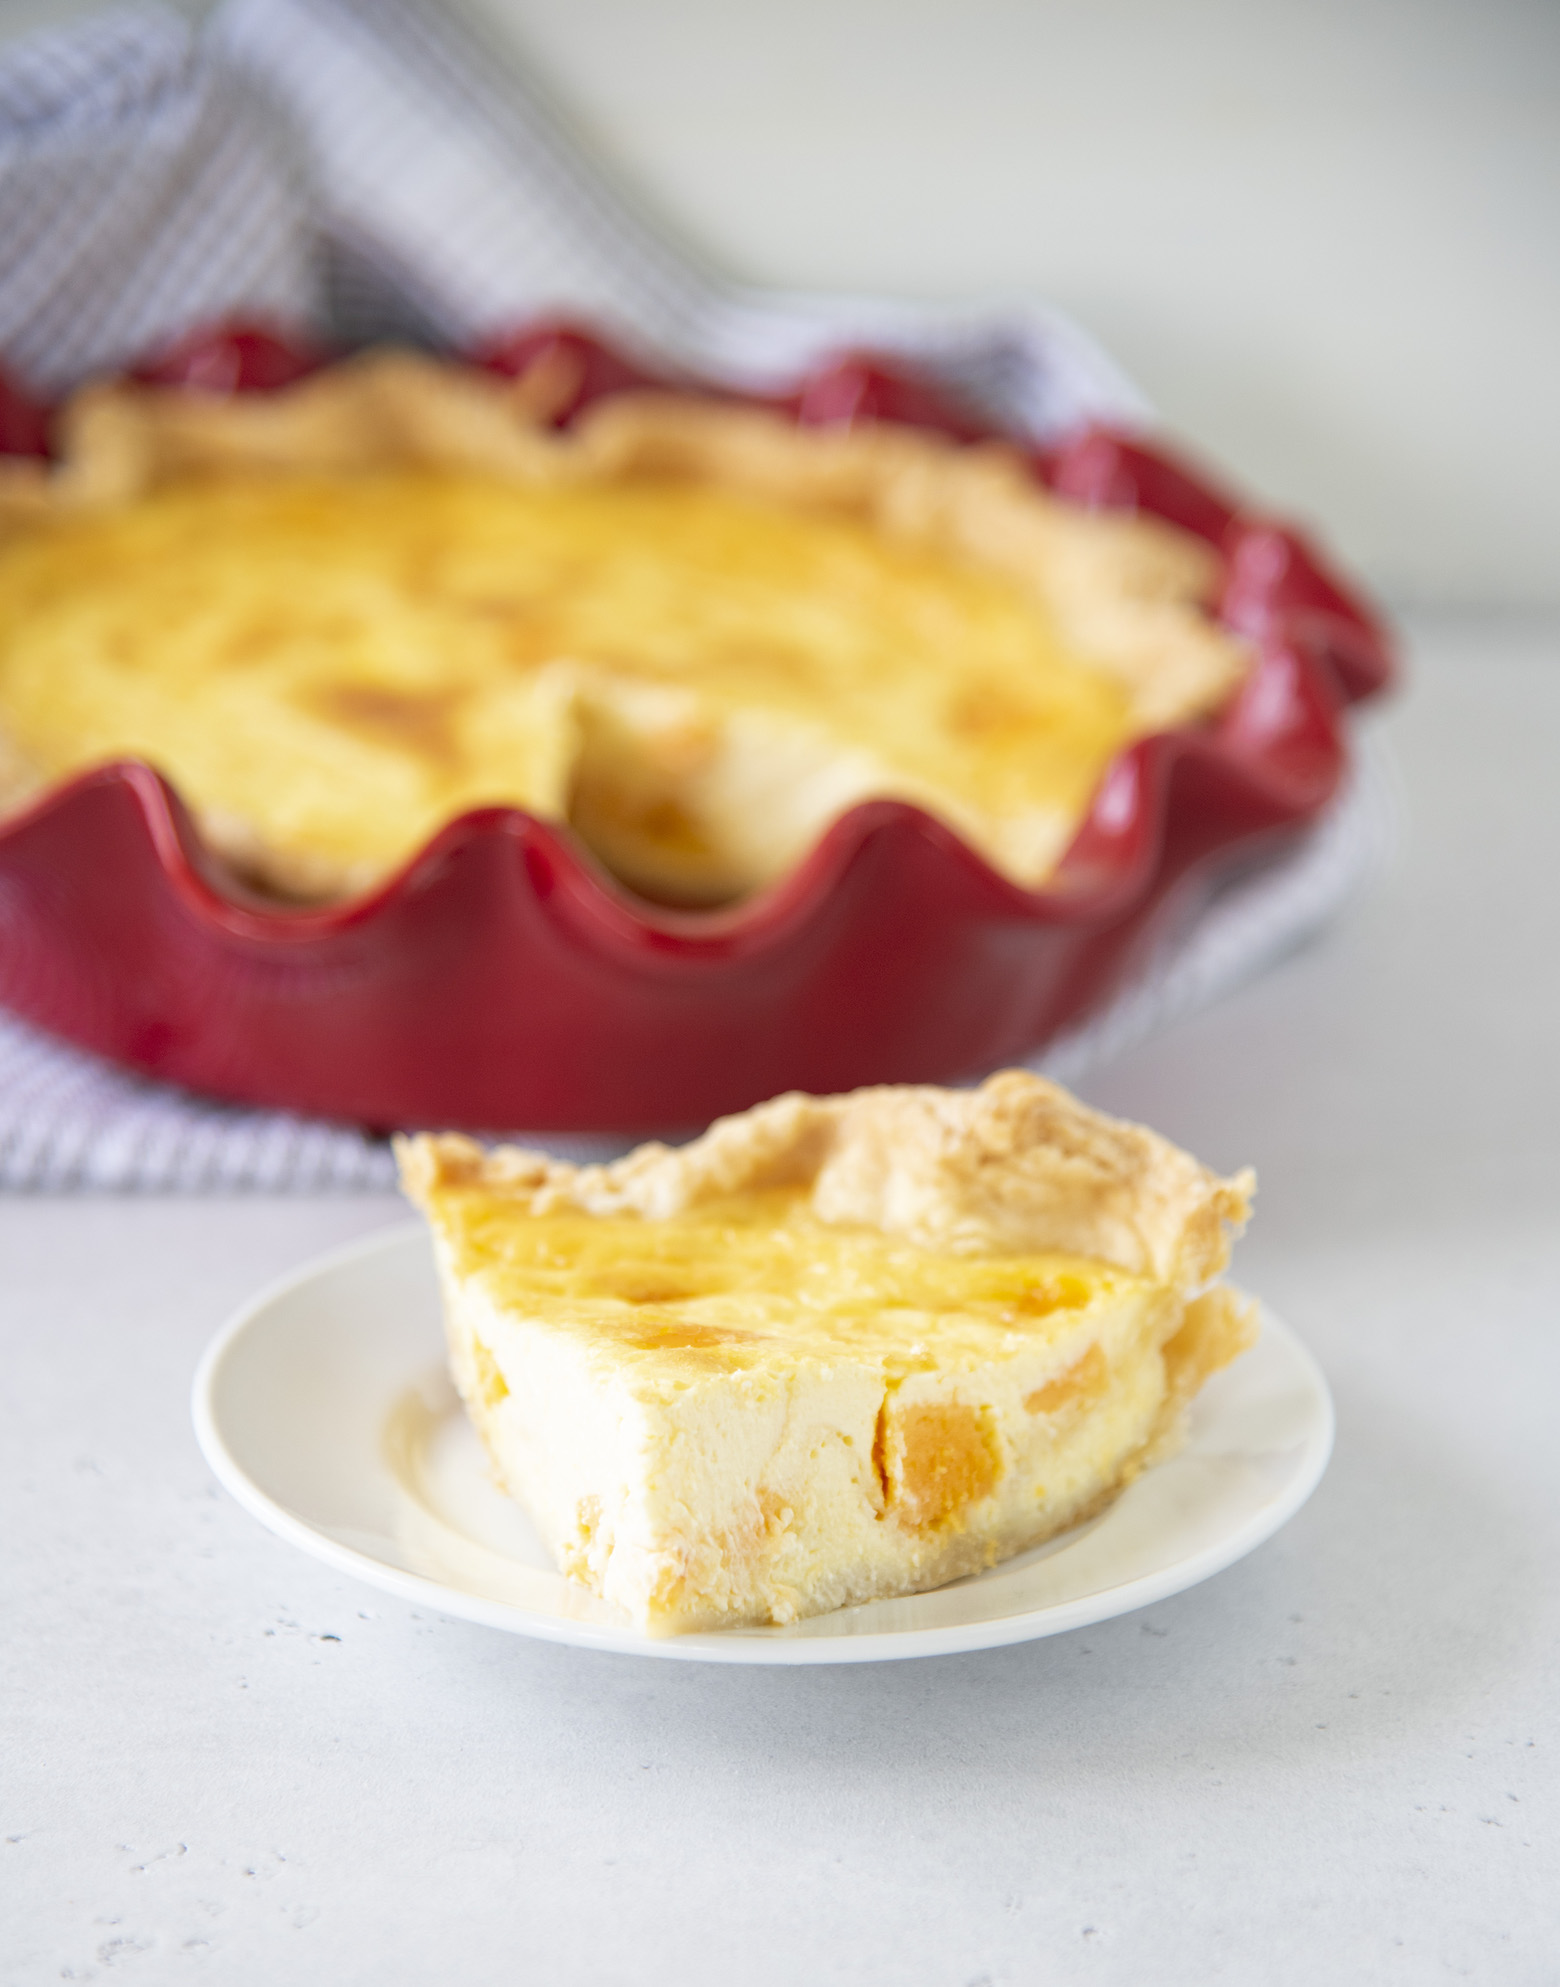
(502,979)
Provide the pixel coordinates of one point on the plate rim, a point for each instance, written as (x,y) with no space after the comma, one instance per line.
(888,1645)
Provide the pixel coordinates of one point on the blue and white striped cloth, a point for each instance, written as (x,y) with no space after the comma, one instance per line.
(370,169)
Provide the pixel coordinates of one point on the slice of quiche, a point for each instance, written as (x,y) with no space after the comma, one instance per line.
(837,1348)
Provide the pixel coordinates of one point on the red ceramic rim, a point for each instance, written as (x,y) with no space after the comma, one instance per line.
(500,979)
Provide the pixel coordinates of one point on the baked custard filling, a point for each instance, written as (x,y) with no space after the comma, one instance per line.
(346,664)
(338,617)
(838,1349)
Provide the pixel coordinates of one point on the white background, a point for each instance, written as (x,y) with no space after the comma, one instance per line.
(1323,234)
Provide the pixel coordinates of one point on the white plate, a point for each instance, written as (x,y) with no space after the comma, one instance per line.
(325,1408)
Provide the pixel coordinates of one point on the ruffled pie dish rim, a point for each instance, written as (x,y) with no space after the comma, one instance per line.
(499,979)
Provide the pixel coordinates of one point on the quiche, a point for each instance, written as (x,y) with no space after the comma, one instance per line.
(339,615)
(837,1348)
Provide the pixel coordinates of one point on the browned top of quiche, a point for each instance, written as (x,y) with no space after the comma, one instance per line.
(339,615)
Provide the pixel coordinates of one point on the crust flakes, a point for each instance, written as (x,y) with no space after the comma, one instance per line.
(1016,1166)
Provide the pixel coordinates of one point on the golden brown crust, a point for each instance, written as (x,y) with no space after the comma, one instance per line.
(1015,1166)
(1127,593)
(385,410)
(1215,1329)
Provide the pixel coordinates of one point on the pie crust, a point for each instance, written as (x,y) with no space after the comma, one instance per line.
(836,1349)
(745,794)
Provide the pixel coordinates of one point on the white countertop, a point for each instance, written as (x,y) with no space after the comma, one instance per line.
(1336,1761)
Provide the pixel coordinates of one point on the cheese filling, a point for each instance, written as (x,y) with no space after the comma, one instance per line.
(737,1280)
(744,1413)
(700,679)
